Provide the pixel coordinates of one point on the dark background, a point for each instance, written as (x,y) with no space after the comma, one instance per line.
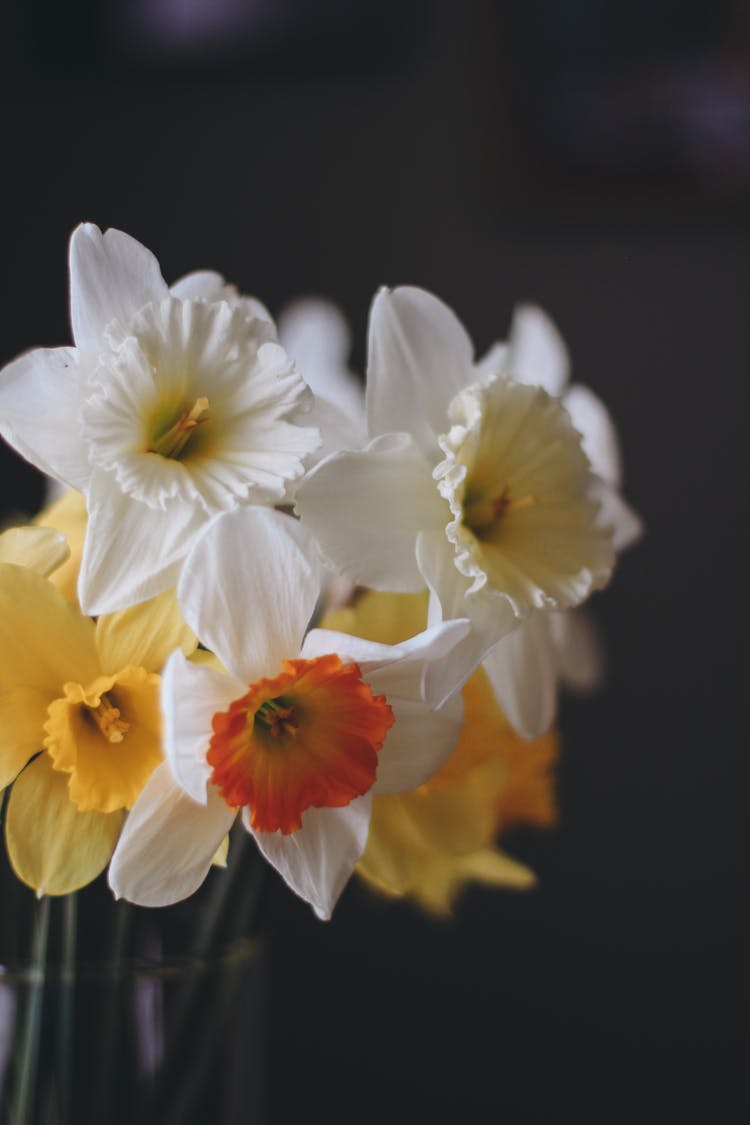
(593,157)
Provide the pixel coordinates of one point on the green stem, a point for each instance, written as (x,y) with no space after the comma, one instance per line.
(112,1009)
(26,1081)
(67,1005)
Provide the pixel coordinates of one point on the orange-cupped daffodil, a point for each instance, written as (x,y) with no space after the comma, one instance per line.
(428,843)
(80,726)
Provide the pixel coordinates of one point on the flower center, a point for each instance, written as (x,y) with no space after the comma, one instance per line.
(308,738)
(108,719)
(482,512)
(172,441)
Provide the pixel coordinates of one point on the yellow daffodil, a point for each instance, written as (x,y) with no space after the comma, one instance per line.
(429,842)
(80,726)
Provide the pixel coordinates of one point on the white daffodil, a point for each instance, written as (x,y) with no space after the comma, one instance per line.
(526,667)
(171,408)
(315,334)
(296,735)
(474,485)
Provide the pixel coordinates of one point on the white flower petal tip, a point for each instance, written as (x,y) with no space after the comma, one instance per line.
(419,357)
(598,434)
(537,354)
(523,671)
(168,843)
(40,413)
(317,861)
(112,276)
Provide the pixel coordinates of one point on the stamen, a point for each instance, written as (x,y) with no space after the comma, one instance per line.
(173,441)
(484,512)
(107,718)
(280,720)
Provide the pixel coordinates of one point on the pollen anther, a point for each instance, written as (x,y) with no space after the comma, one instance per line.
(108,718)
(173,441)
(483,512)
(279,719)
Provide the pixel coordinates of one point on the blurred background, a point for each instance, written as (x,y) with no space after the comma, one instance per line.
(591,157)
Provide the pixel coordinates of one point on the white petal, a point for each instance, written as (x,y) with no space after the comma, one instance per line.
(168,842)
(202,285)
(315,334)
(366,508)
(537,351)
(599,436)
(317,860)
(248,590)
(191,694)
(579,650)
(616,514)
(418,744)
(112,276)
(398,671)
(419,358)
(207,285)
(494,361)
(40,413)
(491,616)
(132,552)
(337,430)
(522,669)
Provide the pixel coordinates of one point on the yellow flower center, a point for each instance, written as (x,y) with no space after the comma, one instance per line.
(172,441)
(482,511)
(107,718)
(107,737)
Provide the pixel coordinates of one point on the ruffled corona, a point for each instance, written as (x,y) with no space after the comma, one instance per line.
(198,404)
(309,737)
(517,482)
(107,736)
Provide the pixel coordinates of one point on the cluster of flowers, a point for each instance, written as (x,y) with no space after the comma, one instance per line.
(230,486)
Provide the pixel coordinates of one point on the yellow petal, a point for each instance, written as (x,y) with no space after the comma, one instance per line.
(496,869)
(221,853)
(44,641)
(39,548)
(22,715)
(143,634)
(68,515)
(386,618)
(52,846)
(107,738)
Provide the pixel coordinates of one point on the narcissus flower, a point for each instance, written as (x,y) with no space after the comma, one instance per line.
(172,407)
(80,729)
(526,667)
(295,736)
(427,844)
(473,485)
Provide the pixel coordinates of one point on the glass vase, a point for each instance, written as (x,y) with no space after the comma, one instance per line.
(112,1014)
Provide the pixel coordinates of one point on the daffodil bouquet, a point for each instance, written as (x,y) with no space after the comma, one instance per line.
(338,617)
